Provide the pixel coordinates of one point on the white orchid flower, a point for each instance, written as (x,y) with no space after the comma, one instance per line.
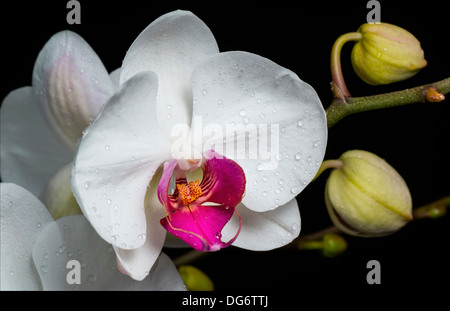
(173,79)
(41,124)
(36,252)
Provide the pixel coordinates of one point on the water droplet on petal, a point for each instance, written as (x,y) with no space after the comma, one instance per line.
(242,113)
(294,190)
(107,147)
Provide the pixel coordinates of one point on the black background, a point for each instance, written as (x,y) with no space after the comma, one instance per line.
(297,35)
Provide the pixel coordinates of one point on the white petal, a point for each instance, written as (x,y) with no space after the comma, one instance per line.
(263,231)
(282,116)
(72,238)
(171,47)
(26,139)
(116,159)
(71,84)
(115,78)
(23,217)
(138,262)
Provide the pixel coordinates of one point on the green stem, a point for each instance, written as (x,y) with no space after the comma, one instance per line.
(326,165)
(433,210)
(338,85)
(340,108)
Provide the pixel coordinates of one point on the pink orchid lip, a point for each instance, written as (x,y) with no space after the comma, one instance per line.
(197,212)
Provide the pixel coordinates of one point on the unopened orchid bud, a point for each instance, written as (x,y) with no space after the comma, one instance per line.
(333,245)
(195,279)
(365,196)
(386,53)
(57,195)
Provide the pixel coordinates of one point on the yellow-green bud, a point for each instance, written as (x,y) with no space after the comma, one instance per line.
(386,53)
(366,196)
(195,279)
(57,195)
(333,245)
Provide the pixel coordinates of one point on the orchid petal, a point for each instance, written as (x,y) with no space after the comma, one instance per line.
(245,93)
(73,238)
(71,84)
(263,231)
(138,262)
(30,153)
(200,223)
(171,47)
(115,78)
(23,217)
(116,160)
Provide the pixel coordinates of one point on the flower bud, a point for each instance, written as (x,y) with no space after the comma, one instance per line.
(365,196)
(195,279)
(57,195)
(333,245)
(386,53)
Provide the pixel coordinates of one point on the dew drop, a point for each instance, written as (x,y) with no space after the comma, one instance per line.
(265,193)
(294,190)
(298,156)
(300,123)
(86,185)
(205,91)
(107,147)
(218,235)
(44,268)
(242,113)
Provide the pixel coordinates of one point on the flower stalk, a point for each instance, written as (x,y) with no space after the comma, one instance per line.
(341,108)
(339,87)
(434,209)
